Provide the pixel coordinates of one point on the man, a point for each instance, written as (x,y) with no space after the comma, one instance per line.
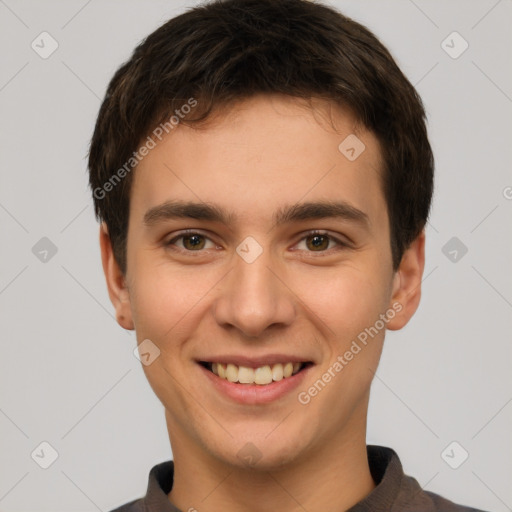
(263,176)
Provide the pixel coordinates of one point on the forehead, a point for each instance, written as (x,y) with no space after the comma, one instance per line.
(260,154)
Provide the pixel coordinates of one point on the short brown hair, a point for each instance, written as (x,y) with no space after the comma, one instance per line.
(229,50)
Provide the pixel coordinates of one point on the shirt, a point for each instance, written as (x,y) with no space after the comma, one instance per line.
(394,491)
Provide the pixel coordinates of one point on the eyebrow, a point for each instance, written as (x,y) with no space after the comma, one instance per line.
(174,209)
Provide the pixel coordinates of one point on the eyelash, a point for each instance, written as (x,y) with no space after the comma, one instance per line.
(340,244)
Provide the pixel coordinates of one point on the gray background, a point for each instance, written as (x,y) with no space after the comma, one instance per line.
(68,375)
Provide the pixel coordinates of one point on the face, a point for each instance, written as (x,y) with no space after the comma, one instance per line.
(255,241)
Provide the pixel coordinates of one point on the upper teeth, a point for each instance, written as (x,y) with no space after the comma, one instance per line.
(261,375)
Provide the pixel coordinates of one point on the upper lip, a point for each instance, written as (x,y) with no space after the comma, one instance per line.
(255,362)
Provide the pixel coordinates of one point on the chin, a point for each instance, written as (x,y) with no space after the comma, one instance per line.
(260,453)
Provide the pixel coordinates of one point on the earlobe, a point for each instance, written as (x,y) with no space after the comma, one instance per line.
(116,282)
(407,283)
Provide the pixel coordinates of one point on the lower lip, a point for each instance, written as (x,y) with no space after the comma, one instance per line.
(255,393)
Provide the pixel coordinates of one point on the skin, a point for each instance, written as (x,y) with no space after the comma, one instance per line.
(260,155)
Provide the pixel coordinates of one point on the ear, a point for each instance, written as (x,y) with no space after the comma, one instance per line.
(116,283)
(407,283)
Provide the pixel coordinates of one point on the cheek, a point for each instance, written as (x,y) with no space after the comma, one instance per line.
(346,299)
(162,298)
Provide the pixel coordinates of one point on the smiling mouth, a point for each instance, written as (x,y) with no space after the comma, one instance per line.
(262,375)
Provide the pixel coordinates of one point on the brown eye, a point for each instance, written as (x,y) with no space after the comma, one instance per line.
(192,242)
(317,242)
(321,242)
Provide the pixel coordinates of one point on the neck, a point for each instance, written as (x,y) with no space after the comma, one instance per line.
(329,477)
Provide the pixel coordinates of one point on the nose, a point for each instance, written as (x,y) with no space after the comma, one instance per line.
(254,297)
